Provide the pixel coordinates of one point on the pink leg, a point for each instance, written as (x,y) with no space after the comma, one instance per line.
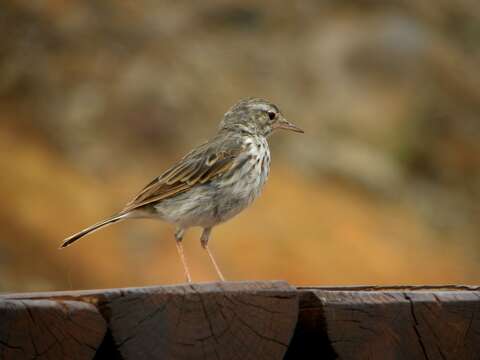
(178,238)
(204,241)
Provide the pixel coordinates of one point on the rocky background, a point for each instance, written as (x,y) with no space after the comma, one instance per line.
(98,97)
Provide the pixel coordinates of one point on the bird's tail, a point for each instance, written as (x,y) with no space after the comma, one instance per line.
(70,240)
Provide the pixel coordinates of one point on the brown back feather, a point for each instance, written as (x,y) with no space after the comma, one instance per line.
(201,165)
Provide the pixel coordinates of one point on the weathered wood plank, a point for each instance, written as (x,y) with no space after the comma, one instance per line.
(208,321)
(388,323)
(239,320)
(47,329)
(246,320)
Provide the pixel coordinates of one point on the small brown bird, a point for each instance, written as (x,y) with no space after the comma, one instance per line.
(214,181)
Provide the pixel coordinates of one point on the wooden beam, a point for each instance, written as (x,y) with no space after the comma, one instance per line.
(244,320)
(49,329)
(415,322)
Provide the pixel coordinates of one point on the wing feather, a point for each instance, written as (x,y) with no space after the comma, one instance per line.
(200,166)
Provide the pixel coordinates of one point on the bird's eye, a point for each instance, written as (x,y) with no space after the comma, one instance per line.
(271,115)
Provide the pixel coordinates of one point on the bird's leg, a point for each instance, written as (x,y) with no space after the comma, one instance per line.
(178,239)
(204,241)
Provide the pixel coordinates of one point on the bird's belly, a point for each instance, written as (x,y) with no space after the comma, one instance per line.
(211,204)
(195,207)
(221,199)
(239,196)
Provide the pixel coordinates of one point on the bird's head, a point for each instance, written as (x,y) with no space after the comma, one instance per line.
(256,116)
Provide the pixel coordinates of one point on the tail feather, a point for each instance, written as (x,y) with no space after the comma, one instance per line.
(91,229)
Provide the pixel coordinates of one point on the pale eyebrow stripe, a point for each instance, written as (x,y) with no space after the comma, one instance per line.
(265,107)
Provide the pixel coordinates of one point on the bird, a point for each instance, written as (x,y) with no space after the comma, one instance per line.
(213,182)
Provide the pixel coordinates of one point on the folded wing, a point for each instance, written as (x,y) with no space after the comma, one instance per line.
(203,164)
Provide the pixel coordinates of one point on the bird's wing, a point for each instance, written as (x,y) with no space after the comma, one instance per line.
(209,161)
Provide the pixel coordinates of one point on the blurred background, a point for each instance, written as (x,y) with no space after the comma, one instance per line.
(98,97)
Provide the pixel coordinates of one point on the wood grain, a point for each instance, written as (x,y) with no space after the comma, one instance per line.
(239,320)
(388,324)
(46,329)
(208,321)
(244,320)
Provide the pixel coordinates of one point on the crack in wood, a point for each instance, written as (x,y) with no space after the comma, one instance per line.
(260,307)
(415,326)
(207,317)
(248,326)
(246,320)
(229,327)
(470,322)
(7,345)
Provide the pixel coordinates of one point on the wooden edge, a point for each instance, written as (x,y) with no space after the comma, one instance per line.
(238,285)
(209,286)
(212,320)
(411,322)
(87,295)
(49,329)
(208,320)
(249,319)
(446,287)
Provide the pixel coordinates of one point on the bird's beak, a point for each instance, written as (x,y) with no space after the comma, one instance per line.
(283,123)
